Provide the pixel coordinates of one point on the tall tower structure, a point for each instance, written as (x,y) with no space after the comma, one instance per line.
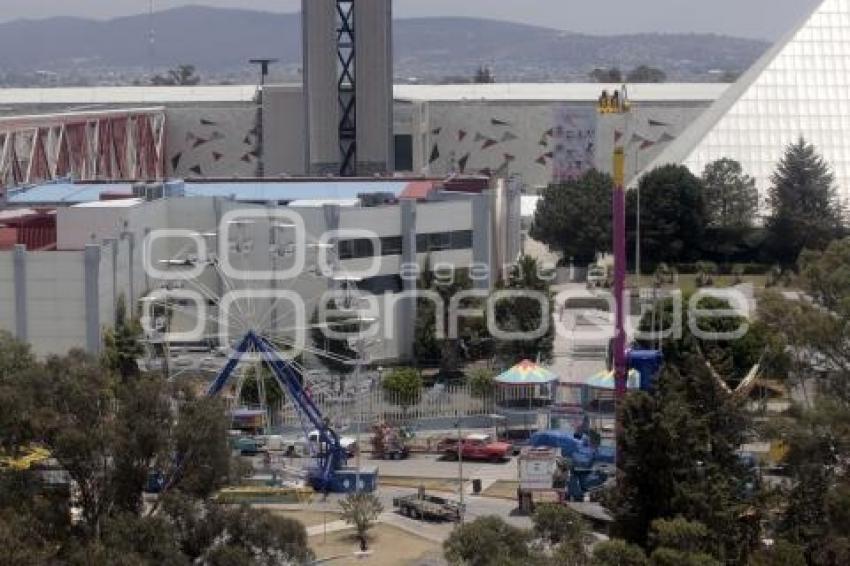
(348,86)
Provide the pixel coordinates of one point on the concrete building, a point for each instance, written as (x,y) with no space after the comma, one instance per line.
(65,298)
(516,129)
(348,85)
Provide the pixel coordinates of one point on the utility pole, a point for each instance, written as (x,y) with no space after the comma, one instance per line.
(460,470)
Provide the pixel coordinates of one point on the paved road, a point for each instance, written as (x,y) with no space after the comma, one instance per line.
(433,466)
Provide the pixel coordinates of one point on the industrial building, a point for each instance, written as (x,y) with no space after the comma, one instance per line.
(527,130)
(65,296)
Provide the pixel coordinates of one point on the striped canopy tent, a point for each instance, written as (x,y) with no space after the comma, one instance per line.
(527,385)
(526,373)
(605,380)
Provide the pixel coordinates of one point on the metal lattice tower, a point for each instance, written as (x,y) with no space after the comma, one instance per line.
(347,87)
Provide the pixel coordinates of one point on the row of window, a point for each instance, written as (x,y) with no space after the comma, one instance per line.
(391,245)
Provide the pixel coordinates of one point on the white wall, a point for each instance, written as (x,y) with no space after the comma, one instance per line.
(78,226)
(56,310)
(7,291)
(211,141)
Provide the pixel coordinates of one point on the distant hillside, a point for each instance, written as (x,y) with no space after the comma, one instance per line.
(224,39)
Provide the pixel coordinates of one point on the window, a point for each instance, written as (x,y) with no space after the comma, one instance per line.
(439,241)
(391,245)
(346,249)
(355,249)
(462,240)
(363,247)
(403,152)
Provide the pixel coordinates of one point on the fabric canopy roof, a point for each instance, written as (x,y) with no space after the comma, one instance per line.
(605,380)
(526,373)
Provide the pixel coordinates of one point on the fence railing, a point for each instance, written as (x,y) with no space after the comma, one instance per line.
(434,403)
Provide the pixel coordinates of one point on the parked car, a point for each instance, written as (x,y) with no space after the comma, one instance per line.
(478,447)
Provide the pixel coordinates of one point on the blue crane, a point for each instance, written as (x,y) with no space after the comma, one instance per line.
(331,456)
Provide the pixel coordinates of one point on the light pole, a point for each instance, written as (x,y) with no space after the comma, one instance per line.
(460,469)
(264,71)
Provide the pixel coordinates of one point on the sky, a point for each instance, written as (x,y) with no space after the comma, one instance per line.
(763,19)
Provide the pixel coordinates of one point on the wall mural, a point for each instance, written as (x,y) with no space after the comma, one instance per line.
(545,142)
(211,142)
(574,139)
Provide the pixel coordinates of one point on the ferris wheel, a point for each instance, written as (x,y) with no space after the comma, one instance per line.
(257,275)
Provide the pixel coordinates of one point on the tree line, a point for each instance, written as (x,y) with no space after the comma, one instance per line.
(685,218)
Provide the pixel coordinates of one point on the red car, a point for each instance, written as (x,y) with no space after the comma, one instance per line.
(476,447)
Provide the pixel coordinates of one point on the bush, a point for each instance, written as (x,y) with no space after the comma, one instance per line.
(487,541)
(482,382)
(403,386)
(618,552)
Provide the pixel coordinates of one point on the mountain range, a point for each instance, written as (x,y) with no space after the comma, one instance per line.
(217,40)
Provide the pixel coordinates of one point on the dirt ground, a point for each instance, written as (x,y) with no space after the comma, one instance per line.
(390,546)
(430,484)
(503,489)
(308,518)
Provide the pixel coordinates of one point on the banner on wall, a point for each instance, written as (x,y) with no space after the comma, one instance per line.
(574,141)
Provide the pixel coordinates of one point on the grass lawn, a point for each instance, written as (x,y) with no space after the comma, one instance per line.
(430,484)
(503,489)
(687,283)
(390,546)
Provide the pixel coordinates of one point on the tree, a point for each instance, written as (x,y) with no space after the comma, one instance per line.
(679,458)
(672,215)
(446,351)
(361,509)
(574,218)
(200,437)
(16,404)
(122,348)
(805,212)
(612,75)
(646,74)
(183,75)
(617,552)
(208,533)
(731,197)
(403,387)
(482,382)
(560,525)
(484,75)
(816,332)
(487,541)
(681,542)
(780,553)
(110,435)
(525,314)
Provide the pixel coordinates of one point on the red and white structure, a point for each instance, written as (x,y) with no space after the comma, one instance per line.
(125,144)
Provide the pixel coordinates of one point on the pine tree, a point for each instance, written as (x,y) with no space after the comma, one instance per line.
(805,212)
(731,197)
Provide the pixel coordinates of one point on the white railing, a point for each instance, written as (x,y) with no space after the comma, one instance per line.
(435,402)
